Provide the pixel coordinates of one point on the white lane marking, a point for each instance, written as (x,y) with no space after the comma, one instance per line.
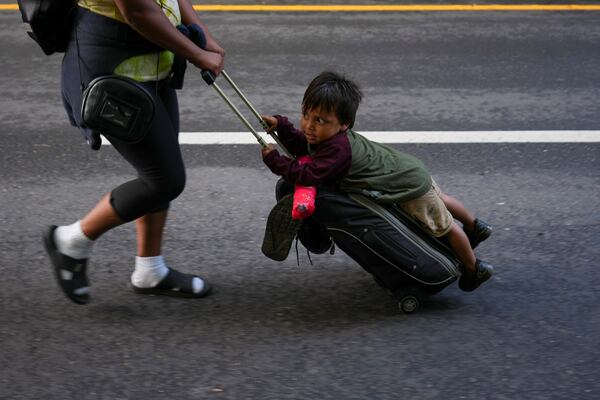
(203,138)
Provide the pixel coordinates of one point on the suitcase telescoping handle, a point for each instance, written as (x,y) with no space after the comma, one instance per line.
(210,79)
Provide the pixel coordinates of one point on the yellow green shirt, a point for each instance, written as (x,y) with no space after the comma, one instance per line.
(141,68)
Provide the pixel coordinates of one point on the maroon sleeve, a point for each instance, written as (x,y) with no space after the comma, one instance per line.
(330,162)
(293,139)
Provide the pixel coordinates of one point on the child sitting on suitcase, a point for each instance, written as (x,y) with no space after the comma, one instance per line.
(357,165)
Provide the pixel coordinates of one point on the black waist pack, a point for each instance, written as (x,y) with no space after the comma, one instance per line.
(118,108)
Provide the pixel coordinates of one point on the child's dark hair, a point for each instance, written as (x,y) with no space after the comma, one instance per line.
(333,93)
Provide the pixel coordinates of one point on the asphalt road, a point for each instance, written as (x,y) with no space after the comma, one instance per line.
(323,331)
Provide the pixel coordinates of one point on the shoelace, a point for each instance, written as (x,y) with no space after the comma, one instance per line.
(298,254)
(331,252)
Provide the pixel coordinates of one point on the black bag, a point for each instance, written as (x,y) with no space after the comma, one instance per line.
(384,241)
(50,21)
(117,107)
(388,244)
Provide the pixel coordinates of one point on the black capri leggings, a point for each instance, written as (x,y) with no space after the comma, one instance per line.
(157,160)
(97,45)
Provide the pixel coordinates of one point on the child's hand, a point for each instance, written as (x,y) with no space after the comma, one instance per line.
(267,150)
(271,122)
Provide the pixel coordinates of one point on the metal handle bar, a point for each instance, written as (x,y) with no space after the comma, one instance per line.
(210,79)
(261,141)
(239,92)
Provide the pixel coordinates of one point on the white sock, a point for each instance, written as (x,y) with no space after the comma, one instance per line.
(71,241)
(197,284)
(149,271)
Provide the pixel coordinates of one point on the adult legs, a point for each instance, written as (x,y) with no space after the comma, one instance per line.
(100,219)
(161,178)
(149,230)
(149,227)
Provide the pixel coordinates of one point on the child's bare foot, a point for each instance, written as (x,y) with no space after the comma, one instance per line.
(481,231)
(470,281)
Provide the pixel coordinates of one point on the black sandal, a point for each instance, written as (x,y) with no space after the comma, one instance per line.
(70,272)
(176,284)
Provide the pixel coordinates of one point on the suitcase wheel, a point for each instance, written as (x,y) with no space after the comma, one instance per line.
(409,304)
(409,300)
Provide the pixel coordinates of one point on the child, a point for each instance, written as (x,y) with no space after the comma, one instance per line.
(357,165)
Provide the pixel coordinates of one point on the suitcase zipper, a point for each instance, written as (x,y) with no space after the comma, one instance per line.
(389,217)
(391,263)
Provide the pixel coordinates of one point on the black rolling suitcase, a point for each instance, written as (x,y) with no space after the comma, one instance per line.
(383,240)
(388,244)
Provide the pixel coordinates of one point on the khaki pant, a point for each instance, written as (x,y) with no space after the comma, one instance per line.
(430,211)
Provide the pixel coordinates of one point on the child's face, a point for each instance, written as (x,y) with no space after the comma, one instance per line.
(319,126)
